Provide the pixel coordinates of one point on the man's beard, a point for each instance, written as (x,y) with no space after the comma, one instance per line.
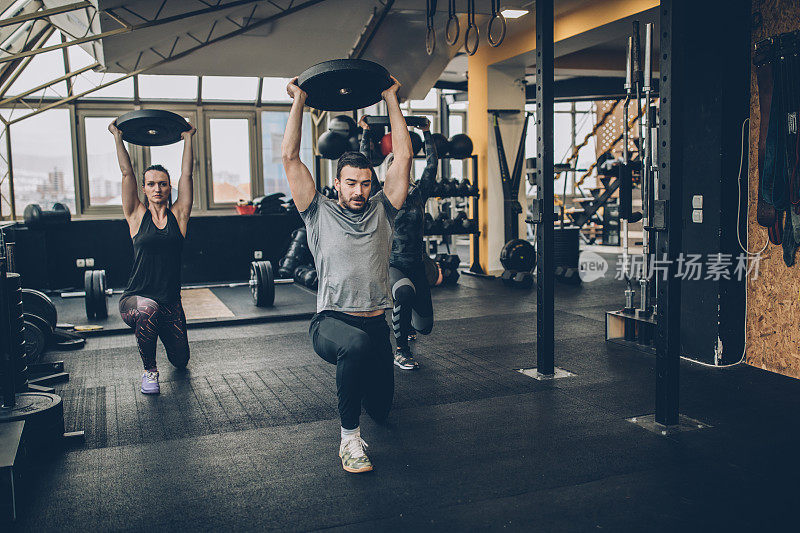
(355,209)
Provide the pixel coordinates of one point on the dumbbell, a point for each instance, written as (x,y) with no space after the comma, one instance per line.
(444,223)
(300,272)
(450,187)
(464,187)
(453,261)
(508,277)
(568,275)
(523,280)
(462,222)
(36,217)
(310,279)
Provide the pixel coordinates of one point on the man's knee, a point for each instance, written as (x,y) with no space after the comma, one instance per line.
(357,347)
(422,324)
(404,294)
(378,410)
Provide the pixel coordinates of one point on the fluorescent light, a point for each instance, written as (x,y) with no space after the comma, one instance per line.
(513,13)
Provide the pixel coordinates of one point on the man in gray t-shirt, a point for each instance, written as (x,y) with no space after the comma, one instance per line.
(351,239)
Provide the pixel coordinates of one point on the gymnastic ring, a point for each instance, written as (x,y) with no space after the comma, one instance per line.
(430,40)
(477,38)
(498,42)
(451,40)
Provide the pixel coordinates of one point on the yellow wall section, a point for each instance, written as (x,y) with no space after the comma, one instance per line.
(567,25)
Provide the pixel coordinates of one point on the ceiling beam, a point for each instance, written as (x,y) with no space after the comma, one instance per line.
(128,28)
(48,84)
(185,53)
(44,13)
(369,31)
(11,71)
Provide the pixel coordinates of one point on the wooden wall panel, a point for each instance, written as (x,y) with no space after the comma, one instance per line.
(773,313)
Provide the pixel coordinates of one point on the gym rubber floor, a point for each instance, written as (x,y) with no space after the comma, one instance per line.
(247,439)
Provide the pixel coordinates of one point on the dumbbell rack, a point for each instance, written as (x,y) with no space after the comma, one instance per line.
(475,267)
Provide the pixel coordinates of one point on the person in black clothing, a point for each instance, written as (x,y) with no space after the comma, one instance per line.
(413,308)
(151,303)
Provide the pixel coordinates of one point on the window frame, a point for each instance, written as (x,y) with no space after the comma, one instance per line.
(254,145)
(82,181)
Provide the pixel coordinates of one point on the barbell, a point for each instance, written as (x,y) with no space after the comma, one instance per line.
(96,293)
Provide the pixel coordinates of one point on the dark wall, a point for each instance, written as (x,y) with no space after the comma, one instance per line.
(217,248)
(718,76)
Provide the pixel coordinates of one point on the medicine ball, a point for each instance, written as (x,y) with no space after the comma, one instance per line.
(416,142)
(343,125)
(442,144)
(460,146)
(386,144)
(518,255)
(332,145)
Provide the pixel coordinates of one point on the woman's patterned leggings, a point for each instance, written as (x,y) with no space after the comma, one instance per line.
(151,320)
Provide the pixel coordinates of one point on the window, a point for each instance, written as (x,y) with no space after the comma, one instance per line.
(41,149)
(456,124)
(431,101)
(5,181)
(172,87)
(43,68)
(79,58)
(274,90)
(273,125)
(229,144)
(230,88)
(102,168)
(171,158)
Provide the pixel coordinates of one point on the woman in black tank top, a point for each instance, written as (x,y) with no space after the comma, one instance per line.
(151,303)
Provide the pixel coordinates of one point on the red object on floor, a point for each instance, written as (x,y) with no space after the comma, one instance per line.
(245,209)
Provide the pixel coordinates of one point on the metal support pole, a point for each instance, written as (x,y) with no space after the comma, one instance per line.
(10,163)
(444,129)
(667,210)
(545,268)
(630,292)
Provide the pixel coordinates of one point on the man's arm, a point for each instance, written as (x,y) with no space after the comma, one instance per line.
(183,205)
(396,185)
(131,205)
(300,181)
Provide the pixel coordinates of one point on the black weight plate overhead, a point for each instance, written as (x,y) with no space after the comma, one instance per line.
(39,304)
(519,255)
(152,127)
(344,84)
(268,278)
(88,288)
(35,342)
(101,304)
